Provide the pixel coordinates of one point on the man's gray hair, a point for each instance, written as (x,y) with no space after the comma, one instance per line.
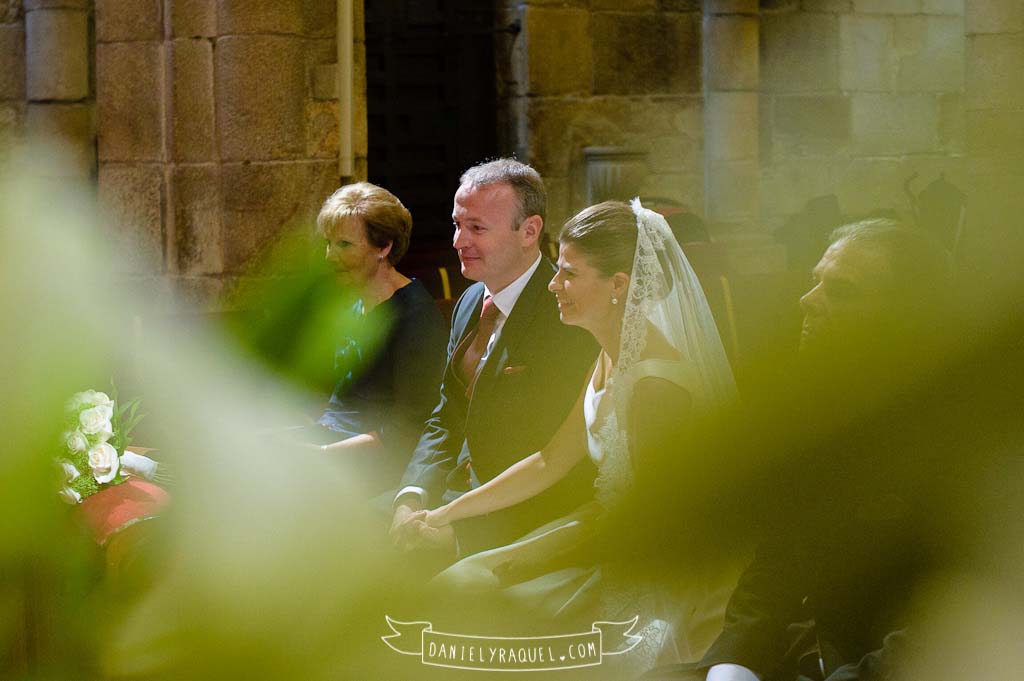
(523,179)
(920,266)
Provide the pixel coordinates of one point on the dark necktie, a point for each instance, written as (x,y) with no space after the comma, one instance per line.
(476,343)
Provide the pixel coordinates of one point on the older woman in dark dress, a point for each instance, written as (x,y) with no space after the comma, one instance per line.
(390,360)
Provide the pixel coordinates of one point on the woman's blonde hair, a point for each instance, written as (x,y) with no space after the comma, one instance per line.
(387,220)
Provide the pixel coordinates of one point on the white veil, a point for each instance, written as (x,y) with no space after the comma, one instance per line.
(664,291)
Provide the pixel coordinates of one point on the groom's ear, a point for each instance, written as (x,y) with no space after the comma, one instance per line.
(531,228)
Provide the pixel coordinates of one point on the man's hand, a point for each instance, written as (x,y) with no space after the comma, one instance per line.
(403,533)
(438,538)
(410,531)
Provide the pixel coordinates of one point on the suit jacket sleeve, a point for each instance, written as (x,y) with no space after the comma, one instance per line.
(437,451)
(883,663)
(766,601)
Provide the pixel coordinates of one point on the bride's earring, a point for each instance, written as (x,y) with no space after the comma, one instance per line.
(615,301)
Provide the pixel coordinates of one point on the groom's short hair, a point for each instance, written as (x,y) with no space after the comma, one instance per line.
(524,180)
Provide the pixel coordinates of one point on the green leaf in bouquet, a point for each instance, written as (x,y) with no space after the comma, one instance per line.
(85,485)
(132,422)
(80,460)
(128,416)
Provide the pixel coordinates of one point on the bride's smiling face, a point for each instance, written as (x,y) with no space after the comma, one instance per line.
(584,295)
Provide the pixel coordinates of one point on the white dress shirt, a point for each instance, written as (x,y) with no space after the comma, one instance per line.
(504,300)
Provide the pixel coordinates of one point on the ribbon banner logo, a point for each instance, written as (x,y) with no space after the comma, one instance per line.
(511,653)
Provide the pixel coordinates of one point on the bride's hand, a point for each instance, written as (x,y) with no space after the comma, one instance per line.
(436,518)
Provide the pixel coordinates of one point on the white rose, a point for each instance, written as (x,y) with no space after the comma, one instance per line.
(89,398)
(106,432)
(68,471)
(97,399)
(79,400)
(104,462)
(76,441)
(70,496)
(95,420)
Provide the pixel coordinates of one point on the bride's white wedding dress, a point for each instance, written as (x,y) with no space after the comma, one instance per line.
(679,619)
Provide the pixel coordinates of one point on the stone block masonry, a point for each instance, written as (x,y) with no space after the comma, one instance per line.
(192,92)
(193,19)
(197,219)
(559,36)
(130,101)
(645,53)
(211,140)
(260,83)
(12,59)
(863,93)
(133,196)
(732,69)
(799,52)
(994,61)
(57,49)
(129,20)
(72,123)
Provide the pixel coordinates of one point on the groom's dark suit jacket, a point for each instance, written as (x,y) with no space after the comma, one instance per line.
(531,379)
(829,595)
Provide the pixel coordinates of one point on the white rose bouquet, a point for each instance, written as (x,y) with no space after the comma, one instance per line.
(96,434)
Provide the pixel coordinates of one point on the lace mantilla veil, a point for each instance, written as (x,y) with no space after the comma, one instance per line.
(664,291)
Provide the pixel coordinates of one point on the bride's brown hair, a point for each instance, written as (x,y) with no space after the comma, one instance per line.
(606,233)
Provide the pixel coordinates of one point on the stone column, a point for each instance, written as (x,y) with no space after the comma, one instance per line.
(12,78)
(57,79)
(132,137)
(731,120)
(993,240)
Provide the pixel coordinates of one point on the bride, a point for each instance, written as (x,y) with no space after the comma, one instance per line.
(623,277)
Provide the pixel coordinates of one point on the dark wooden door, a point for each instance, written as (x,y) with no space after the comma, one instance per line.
(431,106)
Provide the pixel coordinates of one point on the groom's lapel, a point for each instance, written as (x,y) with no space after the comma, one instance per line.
(519,323)
(469,315)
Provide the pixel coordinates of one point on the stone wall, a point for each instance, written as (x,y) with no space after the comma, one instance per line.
(216,131)
(12,76)
(604,73)
(994,236)
(208,127)
(858,95)
(45,90)
(745,109)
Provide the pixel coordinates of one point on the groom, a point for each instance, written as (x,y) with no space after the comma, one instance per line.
(513,371)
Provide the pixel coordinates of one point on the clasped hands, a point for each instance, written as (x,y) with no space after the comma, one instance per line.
(413,529)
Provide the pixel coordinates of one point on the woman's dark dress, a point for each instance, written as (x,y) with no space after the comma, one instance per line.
(388,368)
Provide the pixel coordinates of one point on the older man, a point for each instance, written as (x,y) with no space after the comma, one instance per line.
(513,372)
(829,590)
